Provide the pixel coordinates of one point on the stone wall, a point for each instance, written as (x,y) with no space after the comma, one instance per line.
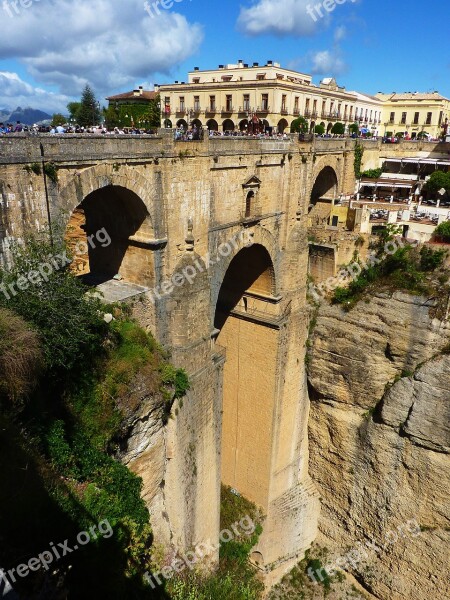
(379,442)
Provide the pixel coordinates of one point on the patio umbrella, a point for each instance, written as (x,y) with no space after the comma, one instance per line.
(364,130)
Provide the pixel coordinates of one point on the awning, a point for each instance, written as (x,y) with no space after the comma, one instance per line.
(388,183)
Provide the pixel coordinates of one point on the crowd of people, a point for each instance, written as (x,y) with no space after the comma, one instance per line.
(71,129)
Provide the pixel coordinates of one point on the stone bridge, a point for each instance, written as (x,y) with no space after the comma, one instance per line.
(212,235)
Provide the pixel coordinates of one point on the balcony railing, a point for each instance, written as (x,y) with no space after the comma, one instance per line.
(284,111)
(211,110)
(227,109)
(263,109)
(296,112)
(243,111)
(307,113)
(181,110)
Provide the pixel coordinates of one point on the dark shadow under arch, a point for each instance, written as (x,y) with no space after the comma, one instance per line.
(251,270)
(103,224)
(325,186)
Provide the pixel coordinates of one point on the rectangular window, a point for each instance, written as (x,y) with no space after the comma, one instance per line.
(315,107)
(182,103)
(307,105)
(351,113)
(283,102)
(416,118)
(229,103)
(324,107)
(196,103)
(441,116)
(265,101)
(429,117)
(403,118)
(246,101)
(392,117)
(296,104)
(212,103)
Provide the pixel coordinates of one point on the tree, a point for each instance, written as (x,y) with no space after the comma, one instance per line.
(354,128)
(58,119)
(338,128)
(319,129)
(299,125)
(54,302)
(144,116)
(74,109)
(443,230)
(89,112)
(438,180)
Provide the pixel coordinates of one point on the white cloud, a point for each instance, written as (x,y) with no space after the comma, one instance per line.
(325,62)
(280,17)
(107,43)
(340,33)
(15,92)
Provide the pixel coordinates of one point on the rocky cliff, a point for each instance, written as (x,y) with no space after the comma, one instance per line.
(379,383)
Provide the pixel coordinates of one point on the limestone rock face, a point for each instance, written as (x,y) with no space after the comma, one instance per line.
(144,448)
(379,444)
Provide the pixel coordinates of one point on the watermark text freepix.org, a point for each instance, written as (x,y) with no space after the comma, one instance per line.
(54,263)
(153,8)
(55,553)
(189,559)
(317,11)
(359,553)
(353,270)
(13,7)
(190,272)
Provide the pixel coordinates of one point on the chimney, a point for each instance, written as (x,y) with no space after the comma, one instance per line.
(269,63)
(246,66)
(255,64)
(220,66)
(196,69)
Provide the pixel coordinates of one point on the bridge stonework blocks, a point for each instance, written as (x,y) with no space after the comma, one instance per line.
(225,278)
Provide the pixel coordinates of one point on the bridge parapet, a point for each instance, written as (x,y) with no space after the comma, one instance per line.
(65,148)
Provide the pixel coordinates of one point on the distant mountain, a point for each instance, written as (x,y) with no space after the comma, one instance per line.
(27,116)
(4,115)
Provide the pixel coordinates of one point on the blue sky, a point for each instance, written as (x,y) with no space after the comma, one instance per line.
(49,49)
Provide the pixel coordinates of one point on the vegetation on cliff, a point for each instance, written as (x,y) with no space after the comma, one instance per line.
(409,268)
(63,370)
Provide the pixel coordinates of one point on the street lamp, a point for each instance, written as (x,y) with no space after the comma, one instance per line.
(95,105)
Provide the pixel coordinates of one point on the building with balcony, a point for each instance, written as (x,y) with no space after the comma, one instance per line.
(236,95)
(414,113)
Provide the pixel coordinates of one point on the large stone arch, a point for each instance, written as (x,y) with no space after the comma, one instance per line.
(118,203)
(89,180)
(237,241)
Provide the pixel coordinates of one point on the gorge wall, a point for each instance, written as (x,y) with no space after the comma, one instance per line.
(379,386)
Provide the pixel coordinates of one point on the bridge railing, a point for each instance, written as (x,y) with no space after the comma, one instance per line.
(16,148)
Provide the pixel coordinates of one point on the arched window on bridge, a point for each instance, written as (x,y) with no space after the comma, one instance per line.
(249,203)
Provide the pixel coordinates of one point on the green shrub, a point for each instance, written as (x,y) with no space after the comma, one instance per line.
(443,230)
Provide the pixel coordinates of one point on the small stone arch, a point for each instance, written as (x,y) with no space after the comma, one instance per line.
(312,126)
(329,127)
(167,123)
(197,123)
(325,186)
(243,125)
(182,123)
(212,125)
(228,125)
(282,125)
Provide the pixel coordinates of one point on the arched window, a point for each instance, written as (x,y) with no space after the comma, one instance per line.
(249,203)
